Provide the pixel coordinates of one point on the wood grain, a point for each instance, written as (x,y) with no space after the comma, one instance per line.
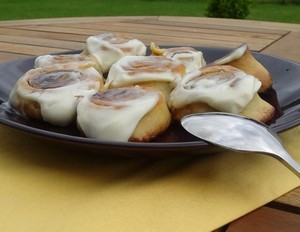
(266,219)
(54,35)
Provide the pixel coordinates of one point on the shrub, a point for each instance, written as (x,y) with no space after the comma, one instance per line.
(236,9)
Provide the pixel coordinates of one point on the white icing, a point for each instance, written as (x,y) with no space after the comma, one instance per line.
(43,61)
(108,48)
(227,92)
(190,57)
(115,121)
(58,105)
(68,61)
(234,55)
(131,70)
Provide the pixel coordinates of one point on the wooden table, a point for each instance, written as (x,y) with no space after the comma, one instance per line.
(25,38)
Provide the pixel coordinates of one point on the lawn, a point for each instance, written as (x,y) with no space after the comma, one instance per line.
(21,9)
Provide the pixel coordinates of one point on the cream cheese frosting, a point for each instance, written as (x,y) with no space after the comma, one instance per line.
(188,56)
(110,47)
(242,58)
(56,92)
(225,89)
(131,70)
(234,55)
(67,61)
(113,115)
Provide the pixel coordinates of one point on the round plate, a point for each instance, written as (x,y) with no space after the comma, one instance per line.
(285,97)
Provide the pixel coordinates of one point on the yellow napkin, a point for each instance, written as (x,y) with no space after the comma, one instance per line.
(44,187)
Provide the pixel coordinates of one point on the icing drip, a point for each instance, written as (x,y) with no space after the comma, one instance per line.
(109,47)
(56,92)
(68,61)
(54,79)
(131,70)
(113,115)
(188,56)
(221,87)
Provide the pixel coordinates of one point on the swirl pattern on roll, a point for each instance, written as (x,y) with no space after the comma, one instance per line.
(66,61)
(224,88)
(242,58)
(115,114)
(188,56)
(132,70)
(110,47)
(52,95)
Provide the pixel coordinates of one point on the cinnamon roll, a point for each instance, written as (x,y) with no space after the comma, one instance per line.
(67,61)
(242,58)
(110,47)
(52,95)
(154,71)
(219,88)
(123,114)
(190,57)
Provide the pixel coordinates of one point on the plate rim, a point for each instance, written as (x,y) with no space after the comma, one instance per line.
(134,145)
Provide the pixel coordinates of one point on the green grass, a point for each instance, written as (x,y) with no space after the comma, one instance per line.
(289,13)
(59,8)
(29,9)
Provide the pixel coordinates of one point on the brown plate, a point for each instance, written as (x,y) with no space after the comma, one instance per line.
(285,96)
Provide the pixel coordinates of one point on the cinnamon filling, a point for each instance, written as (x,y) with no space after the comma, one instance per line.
(155,65)
(66,58)
(51,80)
(119,94)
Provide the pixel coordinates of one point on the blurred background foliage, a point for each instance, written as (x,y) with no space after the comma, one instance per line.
(236,9)
(263,10)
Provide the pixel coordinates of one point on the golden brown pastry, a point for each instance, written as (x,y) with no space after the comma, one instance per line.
(52,95)
(154,71)
(242,58)
(110,47)
(219,88)
(124,114)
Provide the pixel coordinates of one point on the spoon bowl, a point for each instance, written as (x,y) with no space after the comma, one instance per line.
(238,133)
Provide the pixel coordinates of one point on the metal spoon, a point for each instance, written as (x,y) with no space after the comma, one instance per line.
(238,133)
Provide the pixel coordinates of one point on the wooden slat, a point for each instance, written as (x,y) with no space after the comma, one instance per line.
(147,27)
(172,35)
(291,198)
(51,43)
(255,25)
(8,56)
(184,20)
(58,29)
(163,40)
(160,38)
(187,32)
(266,219)
(42,34)
(28,49)
(74,20)
(177,29)
(286,47)
(204,25)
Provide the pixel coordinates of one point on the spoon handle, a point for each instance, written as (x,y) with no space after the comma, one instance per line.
(289,162)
